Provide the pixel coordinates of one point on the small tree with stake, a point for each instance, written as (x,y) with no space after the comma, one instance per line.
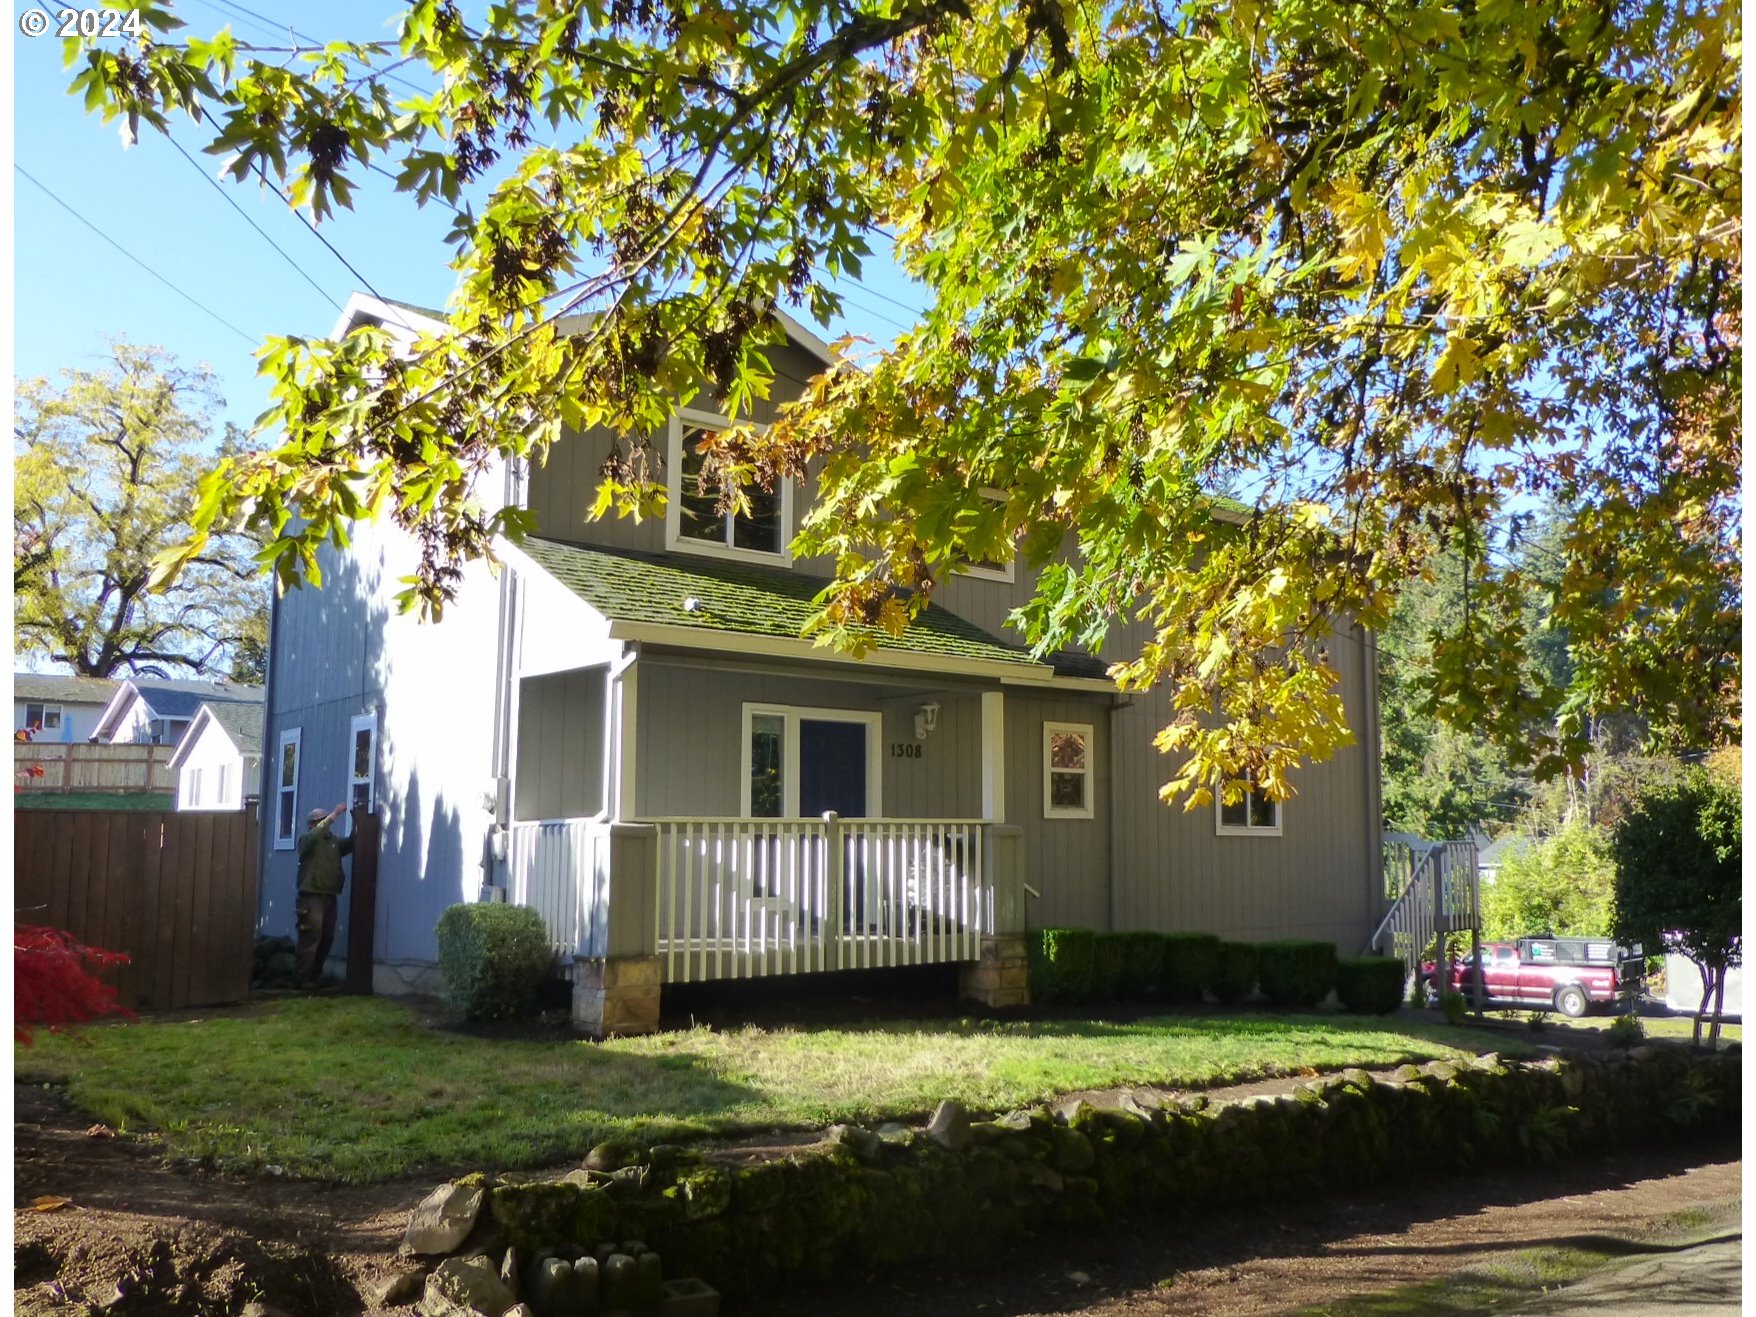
(1679,880)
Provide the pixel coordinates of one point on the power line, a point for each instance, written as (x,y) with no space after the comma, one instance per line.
(268,23)
(131,256)
(232,202)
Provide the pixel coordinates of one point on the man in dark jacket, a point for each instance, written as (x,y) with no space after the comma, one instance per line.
(320,883)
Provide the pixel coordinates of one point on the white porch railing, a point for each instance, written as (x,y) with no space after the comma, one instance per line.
(739,898)
(560,868)
(1435,891)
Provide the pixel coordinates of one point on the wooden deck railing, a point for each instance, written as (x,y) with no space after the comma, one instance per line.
(741,898)
(81,766)
(1436,893)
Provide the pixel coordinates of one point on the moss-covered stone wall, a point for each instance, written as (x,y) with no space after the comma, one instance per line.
(868,1201)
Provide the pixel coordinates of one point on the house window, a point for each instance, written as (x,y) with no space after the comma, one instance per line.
(693,520)
(987,569)
(194,786)
(223,794)
(1067,780)
(286,808)
(363,761)
(1253,815)
(44,716)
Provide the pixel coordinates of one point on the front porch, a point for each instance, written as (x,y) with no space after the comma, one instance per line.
(636,905)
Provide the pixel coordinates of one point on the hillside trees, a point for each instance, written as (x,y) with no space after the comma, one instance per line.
(105,467)
(1383,270)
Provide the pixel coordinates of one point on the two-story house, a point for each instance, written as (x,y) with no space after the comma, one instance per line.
(624,729)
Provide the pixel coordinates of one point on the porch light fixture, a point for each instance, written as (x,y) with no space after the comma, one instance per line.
(926,719)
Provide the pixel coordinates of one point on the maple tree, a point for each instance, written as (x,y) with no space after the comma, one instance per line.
(1384,271)
(54,984)
(105,468)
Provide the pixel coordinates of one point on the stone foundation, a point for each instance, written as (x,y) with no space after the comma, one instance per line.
(1001,978)
(619,995)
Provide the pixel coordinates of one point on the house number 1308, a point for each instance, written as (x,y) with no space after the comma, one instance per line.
(905,750)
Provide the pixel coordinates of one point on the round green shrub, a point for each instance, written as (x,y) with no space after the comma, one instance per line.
(1370,985)
(1235,972)
(1295,973)
(495,959)
(1062,964)
(1191,965)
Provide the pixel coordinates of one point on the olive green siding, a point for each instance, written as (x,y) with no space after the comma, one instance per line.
(690,757)
(1066,860)
(560,770)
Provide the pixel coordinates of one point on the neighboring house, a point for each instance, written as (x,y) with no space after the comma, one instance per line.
(624,730)
(59,708)
(218,762)
(158,710)
(1490,857)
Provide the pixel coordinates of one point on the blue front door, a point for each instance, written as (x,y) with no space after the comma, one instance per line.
(832,768)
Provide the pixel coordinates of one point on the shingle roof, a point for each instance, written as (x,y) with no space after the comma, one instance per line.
(180,699)
(62,688)
(1069,663)
(241,722)
(737,597)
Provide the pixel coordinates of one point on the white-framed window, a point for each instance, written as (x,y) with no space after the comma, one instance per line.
(44,716)
(989,569)
(1067,771)
(363,762)
(769,786)
(693,520)
(286,790)
(1251,815)
(223,792)
(194,792)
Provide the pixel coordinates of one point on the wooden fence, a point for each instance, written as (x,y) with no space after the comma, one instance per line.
(79,766)
(176,892)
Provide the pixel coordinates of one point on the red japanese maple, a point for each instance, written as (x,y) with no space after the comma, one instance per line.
(53,983)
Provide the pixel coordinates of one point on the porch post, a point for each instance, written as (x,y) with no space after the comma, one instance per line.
(624,699)
(1001,977)
(616,988)
(994,756)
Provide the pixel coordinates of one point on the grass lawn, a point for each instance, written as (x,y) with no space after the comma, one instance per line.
(363,1089)
(153,800)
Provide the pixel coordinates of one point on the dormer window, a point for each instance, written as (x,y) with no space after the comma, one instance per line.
(694,522)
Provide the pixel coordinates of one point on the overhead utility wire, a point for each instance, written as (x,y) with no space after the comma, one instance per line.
(231,201)
(206,310)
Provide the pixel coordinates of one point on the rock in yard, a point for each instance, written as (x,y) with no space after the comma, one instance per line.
(465,1287)
(443,1220)
(402,1287)
(949,1127)
(862,1143)
(257,1308)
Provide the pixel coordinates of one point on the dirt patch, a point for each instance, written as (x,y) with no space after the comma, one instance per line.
(1244,1262)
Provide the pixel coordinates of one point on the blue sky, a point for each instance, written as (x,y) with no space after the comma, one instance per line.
(72,290)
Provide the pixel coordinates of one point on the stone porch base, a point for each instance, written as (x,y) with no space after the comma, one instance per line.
(616,996)
(1001,978)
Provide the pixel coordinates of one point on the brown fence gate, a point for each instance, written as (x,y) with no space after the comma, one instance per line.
(176,892)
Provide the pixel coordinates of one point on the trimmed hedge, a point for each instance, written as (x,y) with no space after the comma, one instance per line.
(1062,964)
(1191,965)
(1370,985)
(867,1205)
(495,959)
(1126,966)
(1295,973)
(1235,976)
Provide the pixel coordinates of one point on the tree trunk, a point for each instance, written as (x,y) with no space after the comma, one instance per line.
(1719,1003)
(1706,996)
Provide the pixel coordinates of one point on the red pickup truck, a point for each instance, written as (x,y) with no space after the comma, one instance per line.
(1565,974)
